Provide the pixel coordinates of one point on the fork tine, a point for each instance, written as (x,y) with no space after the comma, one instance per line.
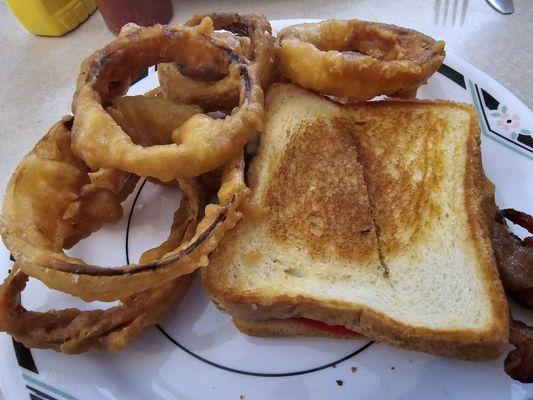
(446,6)
(463,11)
(436,10)
(454,11)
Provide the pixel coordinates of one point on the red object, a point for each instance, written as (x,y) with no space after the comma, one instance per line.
(117,13)
(322,326)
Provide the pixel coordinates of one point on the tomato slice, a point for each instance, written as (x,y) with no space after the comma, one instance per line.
(322,326)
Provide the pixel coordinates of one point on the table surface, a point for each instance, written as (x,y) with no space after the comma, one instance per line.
(38,73)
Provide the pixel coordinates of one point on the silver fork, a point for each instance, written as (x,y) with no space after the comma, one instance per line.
(442,11)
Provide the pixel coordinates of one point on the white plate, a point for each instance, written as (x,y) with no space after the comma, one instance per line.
(198,354)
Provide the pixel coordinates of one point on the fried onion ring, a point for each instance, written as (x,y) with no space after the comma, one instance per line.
(358,59)
(150,121)
(256,28)
(221,94)
(73,331)
(39,218)
(200,144)
(62,201)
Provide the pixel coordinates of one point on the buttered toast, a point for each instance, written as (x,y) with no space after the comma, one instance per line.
(373,217)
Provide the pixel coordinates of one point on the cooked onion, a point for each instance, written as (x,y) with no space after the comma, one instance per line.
(47,199)
(358,59)
(201,144)
(221,94)
(74,331)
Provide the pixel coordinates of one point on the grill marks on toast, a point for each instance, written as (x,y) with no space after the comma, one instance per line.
(317,196)
(404,171)
(329,188)
(442,294)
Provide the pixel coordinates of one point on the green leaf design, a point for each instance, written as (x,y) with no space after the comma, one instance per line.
(495,114)
(504,109)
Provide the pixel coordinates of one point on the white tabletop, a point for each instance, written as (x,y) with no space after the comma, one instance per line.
(38,73)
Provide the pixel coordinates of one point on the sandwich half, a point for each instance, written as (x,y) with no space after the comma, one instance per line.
(370,219)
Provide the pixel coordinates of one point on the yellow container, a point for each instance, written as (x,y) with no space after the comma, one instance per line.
(51,17)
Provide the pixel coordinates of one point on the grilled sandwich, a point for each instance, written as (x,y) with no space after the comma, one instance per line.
(366,219)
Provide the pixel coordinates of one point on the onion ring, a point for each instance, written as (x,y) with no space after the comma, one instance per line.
(39,218)
(221,95)
(150,121)
(213,90)
(72,200)
(73,331)
(257,28)
(200,144)
(385,59)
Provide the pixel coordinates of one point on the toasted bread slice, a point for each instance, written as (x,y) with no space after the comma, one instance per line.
(372,217)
